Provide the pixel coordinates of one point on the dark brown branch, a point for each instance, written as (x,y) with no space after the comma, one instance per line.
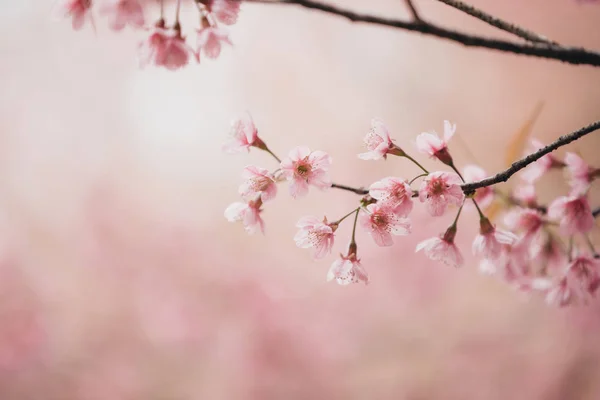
(498,23)
(571,55)
(359,191)
(503,176)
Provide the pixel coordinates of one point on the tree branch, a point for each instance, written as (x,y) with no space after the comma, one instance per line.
(596,212)
(469,188)
(413,10)
(360,191)
(571,55)
(498,23)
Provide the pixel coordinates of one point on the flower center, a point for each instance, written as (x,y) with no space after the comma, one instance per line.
(303,169)
(380,220)
(437,187)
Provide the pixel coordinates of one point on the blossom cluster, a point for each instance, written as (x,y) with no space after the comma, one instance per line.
(529,253)
(165,45)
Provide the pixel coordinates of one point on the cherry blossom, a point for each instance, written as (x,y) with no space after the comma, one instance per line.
(557,293)
(574,214)
(581,174)
(537,169)
(528,220)
(123,12)
(525,193)
(394,192)
(442,248)
(243,135)
(490,240)
(258,182)
(485,195)
(585,272)
(248,213)
(152,49)
(226,11)
(210,39)
(78,10)
(431,144)
(379,143)
(304,167)
(174,53)
(317,234)
(347,270)
(381,222)
(438,190)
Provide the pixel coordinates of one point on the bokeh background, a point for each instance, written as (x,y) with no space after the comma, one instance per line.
(120,279)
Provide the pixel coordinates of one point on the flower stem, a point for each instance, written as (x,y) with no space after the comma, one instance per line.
(178,7)
(416,177)
(353,240)
(162,9)
(347,215)
(591,246)
(457,172)
(481,215)
(416,163)
(273,154)
(457,216)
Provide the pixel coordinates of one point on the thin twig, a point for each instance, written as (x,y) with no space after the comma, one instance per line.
(360,191)
(596,212)
(503,176)
(413,11)
(498,23)
(571,55)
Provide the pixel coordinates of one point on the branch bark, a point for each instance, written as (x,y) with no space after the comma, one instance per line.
(570,55)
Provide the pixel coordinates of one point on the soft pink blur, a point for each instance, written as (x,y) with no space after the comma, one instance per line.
(120,278)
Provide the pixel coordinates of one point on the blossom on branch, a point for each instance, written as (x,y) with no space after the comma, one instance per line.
(347,269)
(485,195)
(78,10)
(442,248)
(258,182)
(431,144)
(226,11)
(210,39)
(379,143)
(243,135)
(395,193)
(438,190)
(315,233)
(123,12)
(248,213)
(581,174)
(381,222)
(490,240)
(304,167)
(573,213)
(537,169)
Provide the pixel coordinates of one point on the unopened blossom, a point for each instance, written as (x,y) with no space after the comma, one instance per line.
(442,248)
(395,193)
(315,233)
(346,270)
(537,169)
(226,11)
(379,143)
(243,135)
(210,39)
(485,195)
(430,143)
(584,271)
(573,213)
(381,222)
(490,240)
(258,182)
(580,173)
(77,10)
(248,213)
(304,167)
(438,190)
(123,12)
(526,220)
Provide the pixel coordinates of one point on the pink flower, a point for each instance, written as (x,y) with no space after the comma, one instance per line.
(442,248)
(526,195)
(152,50)
(439,189)
(574,214)
(346,270)
(527,220)
(210,40)
(581,174)
(490,240)
(381,222)
(303,167)
(317,234)
(175,53)
(248,213)
(536,170)
(123,12)
(258,182)
(395,193)
(77,10)
(225,11)
(430,143)
(557,293)
(585,273)
(243,135)
(485,195)
(379,143)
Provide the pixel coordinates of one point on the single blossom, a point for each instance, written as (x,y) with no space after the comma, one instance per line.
(123,12)
(381,222)
(442,248)
(226,11)
(439,189)
(526,220)
(379,143)
(580,173)
(395,193)
(490,240)
(78,10)
(346,270)
(258,182)
(210,39)
(574,214)
(248,213)
(431,144)
(152,49)
(513,266)
(317,234)
(304,167)
(584,271)
(243,135)
(485,195)
(537,169)
(558,293)
(175,53)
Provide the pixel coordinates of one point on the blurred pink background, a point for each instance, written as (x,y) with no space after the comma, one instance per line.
(120,278)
